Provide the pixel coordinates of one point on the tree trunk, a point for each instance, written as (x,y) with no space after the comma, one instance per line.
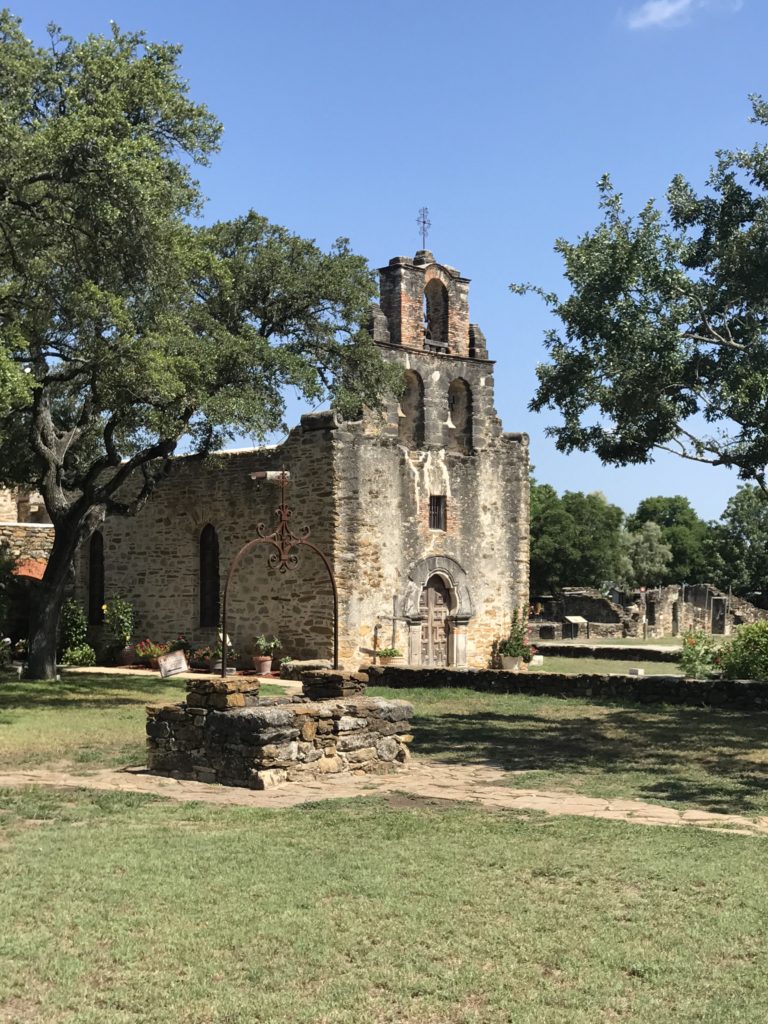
(47,599)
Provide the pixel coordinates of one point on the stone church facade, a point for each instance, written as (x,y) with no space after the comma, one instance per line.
(422,510)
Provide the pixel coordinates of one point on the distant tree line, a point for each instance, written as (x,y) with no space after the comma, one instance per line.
(582,539)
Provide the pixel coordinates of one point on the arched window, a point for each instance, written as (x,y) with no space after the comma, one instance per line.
(460,412)
(411,425)
(209,577)
(96,579)
(436,316)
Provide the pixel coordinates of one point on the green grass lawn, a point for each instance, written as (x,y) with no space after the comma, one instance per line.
(90,721)
(686,757)
(121,908)
(604,666)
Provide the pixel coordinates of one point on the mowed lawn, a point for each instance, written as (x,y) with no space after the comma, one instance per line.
(126,909)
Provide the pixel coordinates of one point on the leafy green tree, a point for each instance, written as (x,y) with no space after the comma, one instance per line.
(575,539)
(664,339)
(742,542)
(126,327)
(688,537)
(647,557)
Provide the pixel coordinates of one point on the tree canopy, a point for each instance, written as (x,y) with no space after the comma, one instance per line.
(663,343)
(688,537)
(575,539)
(126,326)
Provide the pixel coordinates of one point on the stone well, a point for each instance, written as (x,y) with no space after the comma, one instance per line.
(226,733)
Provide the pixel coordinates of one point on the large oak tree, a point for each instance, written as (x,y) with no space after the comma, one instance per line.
(127,327)
(664,336)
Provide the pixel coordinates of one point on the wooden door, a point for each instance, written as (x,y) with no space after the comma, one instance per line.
(434,606)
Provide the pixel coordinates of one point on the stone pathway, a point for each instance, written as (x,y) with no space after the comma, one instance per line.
(420,782)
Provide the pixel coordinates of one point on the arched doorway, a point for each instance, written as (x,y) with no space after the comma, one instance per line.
(434,606)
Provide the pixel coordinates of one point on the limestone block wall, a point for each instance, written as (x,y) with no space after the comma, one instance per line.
(27,541)
(153,558)
(8,511)
(385,545)
(278,740)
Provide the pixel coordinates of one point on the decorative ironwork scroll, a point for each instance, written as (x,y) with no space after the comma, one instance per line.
(284,558)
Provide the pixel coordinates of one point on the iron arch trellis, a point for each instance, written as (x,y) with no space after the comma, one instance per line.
(283,558)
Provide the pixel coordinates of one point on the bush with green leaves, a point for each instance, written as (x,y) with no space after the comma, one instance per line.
(118,619)
(82,654)
(74,625)
(745,655)
(698,655)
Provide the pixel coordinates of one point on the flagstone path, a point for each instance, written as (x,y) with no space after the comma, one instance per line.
(420,783)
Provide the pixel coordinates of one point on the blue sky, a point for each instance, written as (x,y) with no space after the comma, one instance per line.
(344,117)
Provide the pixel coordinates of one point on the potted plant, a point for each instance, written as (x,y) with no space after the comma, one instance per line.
(200,657)
(118,620)
(148,652)
(215,661)
(263,652)
(387,655)
(515,651)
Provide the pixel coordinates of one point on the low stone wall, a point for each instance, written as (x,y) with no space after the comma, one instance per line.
(226,733)
(612,652)
(740,694)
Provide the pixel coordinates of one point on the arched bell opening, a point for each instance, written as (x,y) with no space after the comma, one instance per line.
(411,411)
(436,316)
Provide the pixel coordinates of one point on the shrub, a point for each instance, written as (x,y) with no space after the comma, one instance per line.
(118,618)
(516,644)
(745,655)
(265,647)
(389,652)
(73,625)
(698,657)
(82,654)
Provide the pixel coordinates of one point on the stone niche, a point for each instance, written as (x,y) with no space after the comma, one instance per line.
(226,733)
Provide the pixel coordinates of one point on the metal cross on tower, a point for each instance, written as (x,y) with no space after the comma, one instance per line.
(424,225)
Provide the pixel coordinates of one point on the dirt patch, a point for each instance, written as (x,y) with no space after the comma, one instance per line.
(412,801)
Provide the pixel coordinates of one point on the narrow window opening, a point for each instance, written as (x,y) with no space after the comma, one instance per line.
(96,579)
(209,577)
(437,512)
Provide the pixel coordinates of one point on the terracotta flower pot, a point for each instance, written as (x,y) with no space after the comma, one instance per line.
(262,663)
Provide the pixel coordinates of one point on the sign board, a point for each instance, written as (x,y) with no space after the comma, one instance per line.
(579,620)
(172,664)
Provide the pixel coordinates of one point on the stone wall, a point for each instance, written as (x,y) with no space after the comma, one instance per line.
(739,694)
(264,742)
(365,492)
(153,559)
(27,541)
